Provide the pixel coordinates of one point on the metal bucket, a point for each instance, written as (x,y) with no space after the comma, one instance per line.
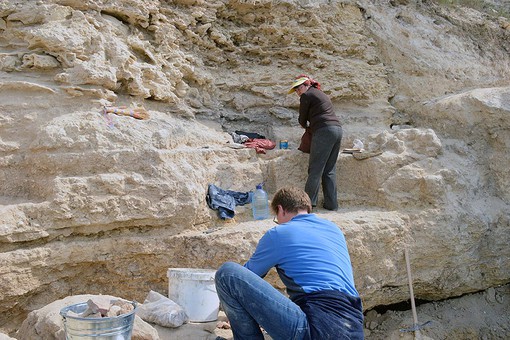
(110,328)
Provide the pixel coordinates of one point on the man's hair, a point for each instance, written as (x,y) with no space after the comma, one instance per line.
(291,199)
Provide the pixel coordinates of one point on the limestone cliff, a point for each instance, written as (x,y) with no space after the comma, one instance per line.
(94,203)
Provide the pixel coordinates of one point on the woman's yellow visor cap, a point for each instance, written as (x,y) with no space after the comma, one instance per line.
(297,82)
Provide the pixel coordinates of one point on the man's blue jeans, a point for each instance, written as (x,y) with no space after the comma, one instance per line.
(250,303)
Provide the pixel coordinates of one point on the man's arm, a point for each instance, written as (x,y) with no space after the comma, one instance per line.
(265,256)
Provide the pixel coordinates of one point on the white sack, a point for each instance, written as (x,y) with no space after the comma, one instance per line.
(162,311)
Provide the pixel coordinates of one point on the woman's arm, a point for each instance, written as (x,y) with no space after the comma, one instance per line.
(304,108)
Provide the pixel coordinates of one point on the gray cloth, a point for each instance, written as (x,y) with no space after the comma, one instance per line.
(239,139)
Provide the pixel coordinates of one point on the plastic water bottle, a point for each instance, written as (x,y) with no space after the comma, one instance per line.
(259,204)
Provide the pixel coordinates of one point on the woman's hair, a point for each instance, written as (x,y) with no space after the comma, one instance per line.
(291,199)
(310,81)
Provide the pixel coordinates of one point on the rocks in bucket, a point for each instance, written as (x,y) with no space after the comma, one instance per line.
(100,307)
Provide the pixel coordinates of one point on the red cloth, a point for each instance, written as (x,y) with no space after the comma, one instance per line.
(260,145)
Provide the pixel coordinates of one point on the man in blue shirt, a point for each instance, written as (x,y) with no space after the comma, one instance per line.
(311,257)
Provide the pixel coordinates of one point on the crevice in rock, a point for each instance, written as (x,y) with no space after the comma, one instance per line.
(399,306)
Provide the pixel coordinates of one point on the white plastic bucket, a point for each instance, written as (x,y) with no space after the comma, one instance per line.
(194,290)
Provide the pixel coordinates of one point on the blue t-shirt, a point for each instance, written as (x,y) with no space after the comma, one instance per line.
(310,255)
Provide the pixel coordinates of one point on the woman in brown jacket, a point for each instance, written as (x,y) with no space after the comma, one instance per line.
(316,113)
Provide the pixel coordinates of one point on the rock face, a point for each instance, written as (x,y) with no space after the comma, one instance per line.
(104,204)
